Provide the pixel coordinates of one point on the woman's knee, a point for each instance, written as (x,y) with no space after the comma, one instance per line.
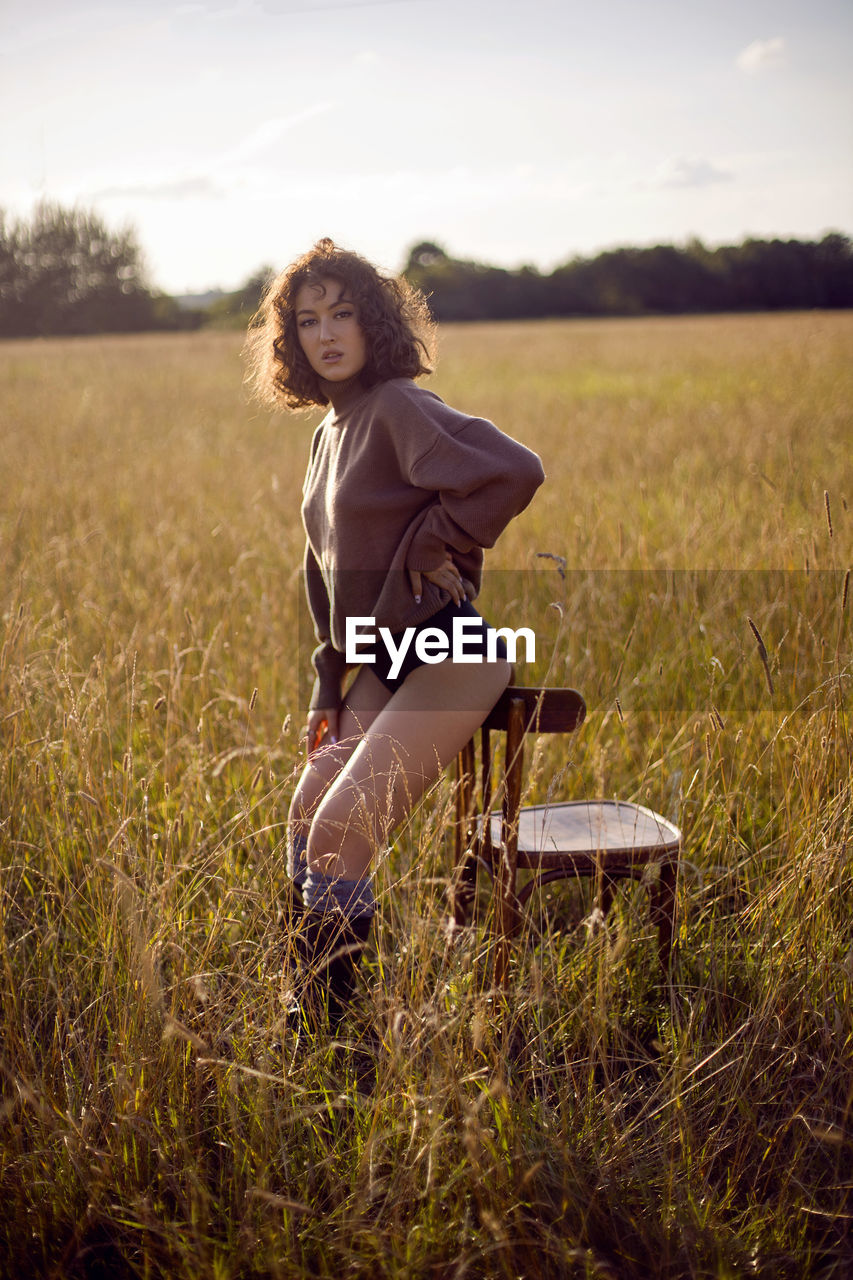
(344,825)
(349,805)
(316,778)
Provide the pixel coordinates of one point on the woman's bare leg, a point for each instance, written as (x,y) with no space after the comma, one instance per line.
(363,703)
(407,745)
(351,797)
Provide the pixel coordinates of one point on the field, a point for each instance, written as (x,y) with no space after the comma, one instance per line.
(687,567)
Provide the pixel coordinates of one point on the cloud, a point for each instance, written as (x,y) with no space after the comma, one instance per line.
(268,133)
(189,188)
(688,171)
(222,172)
(762,55)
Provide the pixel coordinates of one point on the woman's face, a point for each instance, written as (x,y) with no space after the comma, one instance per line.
(329,332)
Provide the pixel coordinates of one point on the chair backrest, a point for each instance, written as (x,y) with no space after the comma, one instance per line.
(519,710)
(543,710)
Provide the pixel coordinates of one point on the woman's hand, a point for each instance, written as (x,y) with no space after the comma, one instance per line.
(322,727)
(447,577)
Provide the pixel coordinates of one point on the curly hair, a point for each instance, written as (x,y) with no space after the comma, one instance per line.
(393,317)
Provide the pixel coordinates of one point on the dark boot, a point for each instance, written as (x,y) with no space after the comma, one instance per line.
(327,948)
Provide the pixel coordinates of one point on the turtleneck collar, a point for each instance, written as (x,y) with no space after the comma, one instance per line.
(343,395)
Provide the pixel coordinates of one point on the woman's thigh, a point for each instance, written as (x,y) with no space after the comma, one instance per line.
(364,701)
(408,744)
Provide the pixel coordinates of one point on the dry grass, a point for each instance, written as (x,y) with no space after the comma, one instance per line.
(700,480)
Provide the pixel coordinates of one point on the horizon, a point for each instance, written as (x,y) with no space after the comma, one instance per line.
(216,290)
(233,134)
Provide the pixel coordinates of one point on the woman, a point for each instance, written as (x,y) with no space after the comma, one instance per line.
(401,496)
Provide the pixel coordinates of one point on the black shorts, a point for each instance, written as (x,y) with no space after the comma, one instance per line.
(475,644)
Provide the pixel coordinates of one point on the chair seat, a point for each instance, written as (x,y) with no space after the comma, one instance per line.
(585,834)
(609,840)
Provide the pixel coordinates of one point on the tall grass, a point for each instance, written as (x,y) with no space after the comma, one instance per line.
(686,567)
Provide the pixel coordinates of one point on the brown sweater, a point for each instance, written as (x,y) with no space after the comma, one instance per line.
(396,479)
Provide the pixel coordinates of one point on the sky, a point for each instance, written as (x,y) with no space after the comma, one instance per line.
(232,134)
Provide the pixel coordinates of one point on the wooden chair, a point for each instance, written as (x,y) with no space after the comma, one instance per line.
(607,839)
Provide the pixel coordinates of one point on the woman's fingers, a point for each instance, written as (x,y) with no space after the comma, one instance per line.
(447,577)
(456,589)
(332,716)
(322,725)
(314,731)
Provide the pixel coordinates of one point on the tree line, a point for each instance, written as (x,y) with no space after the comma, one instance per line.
(65,272)
(758,275)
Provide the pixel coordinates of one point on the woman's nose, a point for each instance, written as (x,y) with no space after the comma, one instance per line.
(326,330)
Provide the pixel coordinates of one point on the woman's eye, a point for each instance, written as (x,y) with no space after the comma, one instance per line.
(342,315)
(303,324)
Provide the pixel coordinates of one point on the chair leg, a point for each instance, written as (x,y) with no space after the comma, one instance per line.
(606,890)
(507,915)
(663,910)
(464,882)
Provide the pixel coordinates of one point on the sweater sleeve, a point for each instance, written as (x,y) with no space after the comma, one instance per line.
(482,479)
(329,664)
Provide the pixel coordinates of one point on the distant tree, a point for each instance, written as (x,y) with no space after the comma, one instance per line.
(168,313)
(235,310)
(458,289)
(833,257)
(661,280)
(777,274)
(66,272)
(8,266)
(425,254)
